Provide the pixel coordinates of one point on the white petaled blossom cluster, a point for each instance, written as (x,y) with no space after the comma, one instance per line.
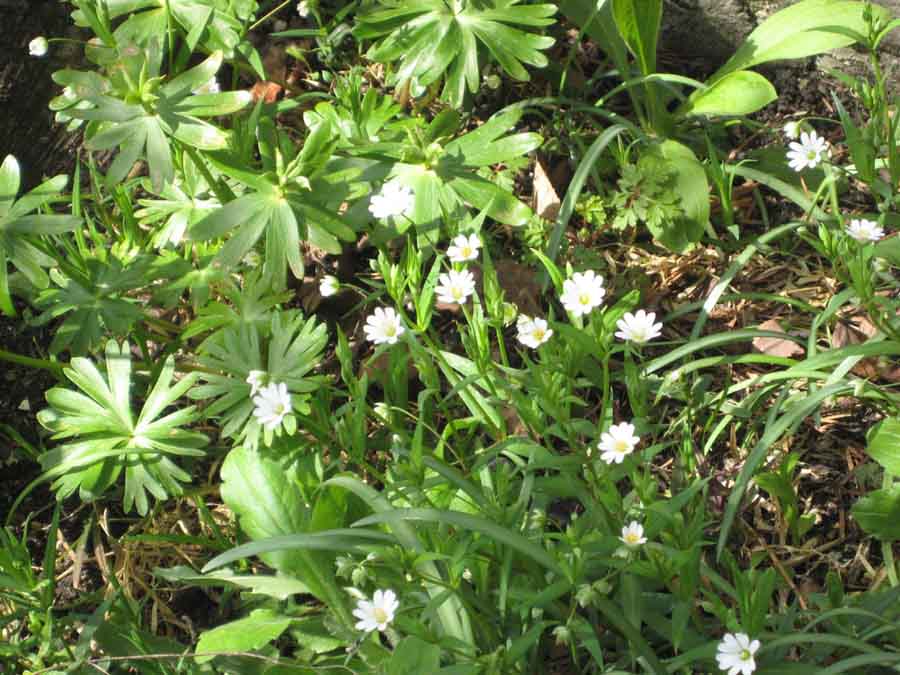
(638,327)
(532,332)
(582,293)
(394,200)
(329,286)
(303,9)
(617,443)
(377,614)
(807,153)
(865,231)
(383,326)
(735,654)
(271,405)
(455,286)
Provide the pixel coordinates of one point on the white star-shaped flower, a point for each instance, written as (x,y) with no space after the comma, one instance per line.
(303,9)
(792,130)
(329,286)
(638,327)
(864,231)
(617,443)
(464,248)
(532,332)
(735,654)
(582,293)
(377,614)
(455,286)
(393,200)
(383,326)
(273,404)
(256,379)
(633,535)
(808,153)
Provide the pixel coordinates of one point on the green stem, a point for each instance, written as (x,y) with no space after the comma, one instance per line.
(31,362)
(267,16)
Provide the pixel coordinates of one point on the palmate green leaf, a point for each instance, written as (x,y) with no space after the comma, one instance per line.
(106,438)
(431,39)
(287,349)
(19,223)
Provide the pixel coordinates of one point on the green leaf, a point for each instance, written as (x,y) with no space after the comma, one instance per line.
(414,655)
(638,22)
(803,29)
(252,632)
(878,513)
(691,184)
(9,183)
(739,93)
(278,587)
(884,445)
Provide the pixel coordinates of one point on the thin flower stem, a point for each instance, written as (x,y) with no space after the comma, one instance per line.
(31,362)
(269,15)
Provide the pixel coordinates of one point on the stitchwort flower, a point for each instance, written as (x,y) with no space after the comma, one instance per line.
(864,231)
(638,327)
(256,379)
(377,614)
(617,443)
(532,332)
(808,153)
(792,130)
(582,293)
(393,200)
(633,534)
(273,404)
(38,47)
(464,248)
(329,286)
(455,286)
(735,654)
(383,326)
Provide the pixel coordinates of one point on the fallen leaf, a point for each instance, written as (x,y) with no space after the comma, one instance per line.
(773,346)
(267,91)
(520,286)
(545,201)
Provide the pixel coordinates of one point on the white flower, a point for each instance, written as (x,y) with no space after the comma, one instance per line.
(792,130)
(633,534)
(376,615)
(38,47)
(255,379)
(383,326)
(272,403)
(303,9)
(638,327)
(455,286)
(532,332)
(464,248)
(394,200)
(735,654)
(211,86)
(864,231)
(808,153)
(329,286)
(582,293)
(617,443)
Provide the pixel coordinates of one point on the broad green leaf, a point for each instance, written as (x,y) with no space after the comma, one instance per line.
(884,446)
(414,655)
(878,513)
(252,632)
(638,22)
(738,93)
(691,184)
(798,31)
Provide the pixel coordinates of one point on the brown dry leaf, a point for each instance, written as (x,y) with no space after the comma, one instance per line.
(776,346)
(267,91)
(544,200)
(856,330)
